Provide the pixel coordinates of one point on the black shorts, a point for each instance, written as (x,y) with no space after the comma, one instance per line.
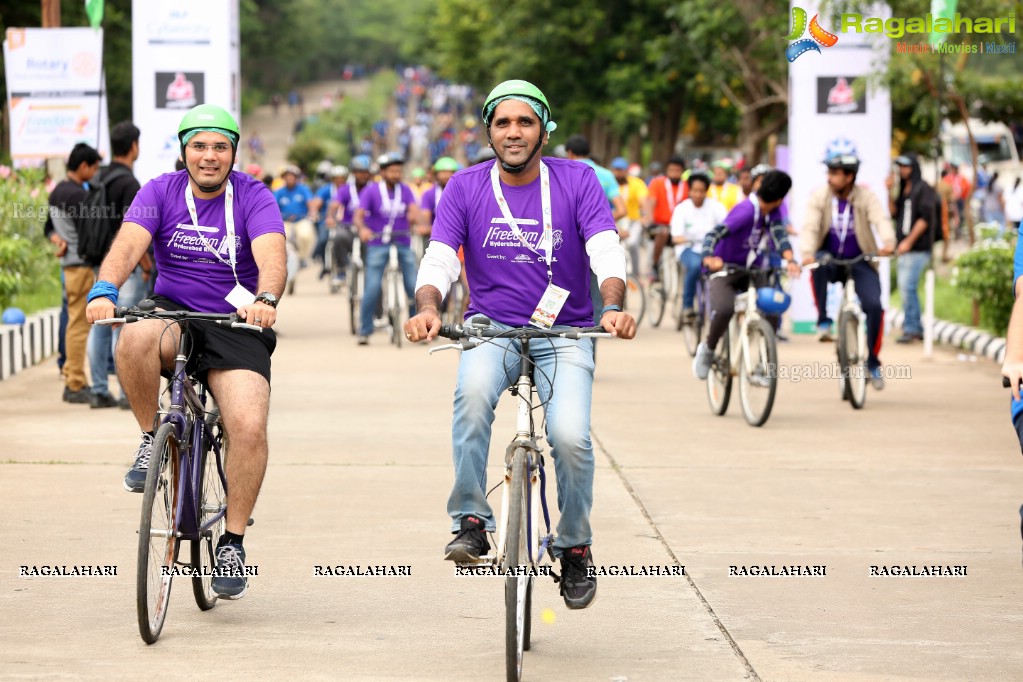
(216,347)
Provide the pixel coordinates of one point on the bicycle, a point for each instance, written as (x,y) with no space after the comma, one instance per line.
(185,497)
(331,261)
(748,349)
(634,300)
(356,284)
(851,336)
(692,327)
(393,296)
(521,544)
(665,290)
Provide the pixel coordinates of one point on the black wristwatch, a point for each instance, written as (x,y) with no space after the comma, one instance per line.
(268,298)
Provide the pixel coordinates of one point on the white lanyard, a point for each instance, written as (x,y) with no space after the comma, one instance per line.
(437,189)
(228,222)
(673,198)
(353,195)
(547,241)
(842,225)
(755,245)
(390,208)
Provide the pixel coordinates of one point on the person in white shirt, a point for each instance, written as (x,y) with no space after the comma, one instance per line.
(1014,205)
(690,222)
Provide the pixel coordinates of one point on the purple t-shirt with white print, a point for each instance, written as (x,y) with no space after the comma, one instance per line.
(506,279)
(372,201)
(193,265)
(347,196)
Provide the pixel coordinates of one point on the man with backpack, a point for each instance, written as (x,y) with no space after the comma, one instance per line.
(110,195)
(62,228)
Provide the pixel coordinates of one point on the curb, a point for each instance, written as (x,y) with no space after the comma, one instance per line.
(961,336)
(25,345)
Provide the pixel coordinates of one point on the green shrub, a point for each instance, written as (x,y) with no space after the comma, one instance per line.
(29,274)
(984,273)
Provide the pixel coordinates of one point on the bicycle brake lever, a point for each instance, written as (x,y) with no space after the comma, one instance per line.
(463,345)
(243,325)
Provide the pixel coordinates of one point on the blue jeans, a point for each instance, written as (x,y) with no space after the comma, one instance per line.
(483,374)
(909,268)
(103,339)
(375,258)
(693,263)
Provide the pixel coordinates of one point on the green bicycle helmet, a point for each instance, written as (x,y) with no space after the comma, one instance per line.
(209,117)
(531,95)
(445,163)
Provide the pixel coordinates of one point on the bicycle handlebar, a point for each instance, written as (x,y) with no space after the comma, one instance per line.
(731,269)
(828,259)
(478,329)
(134,314)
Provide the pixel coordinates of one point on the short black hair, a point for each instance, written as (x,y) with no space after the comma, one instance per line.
(179,165)
(122,137)
(775,185)
(578,145)
(745,171)
(698,177)
(676,160)
(82,153)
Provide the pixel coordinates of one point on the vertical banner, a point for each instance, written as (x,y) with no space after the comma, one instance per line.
(184,53)
(826,115)
(54,92)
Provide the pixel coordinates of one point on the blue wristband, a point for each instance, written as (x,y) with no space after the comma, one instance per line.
(609,308)
(103,289)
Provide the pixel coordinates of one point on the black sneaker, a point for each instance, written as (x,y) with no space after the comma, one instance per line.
(229,581)
(578,587)
(470,543)
(135,479)
(101,400)
(81,396)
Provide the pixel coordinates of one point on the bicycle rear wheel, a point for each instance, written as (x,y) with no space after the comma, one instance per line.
(516,588)
(719,380)
(852,360)
(354,296)
(658,302)
(212,501)
(158,546)
(758,376)
(634,302)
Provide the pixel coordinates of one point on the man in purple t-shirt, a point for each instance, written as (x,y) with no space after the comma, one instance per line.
(386,210)
(191,217)
(839,222)
(495,211)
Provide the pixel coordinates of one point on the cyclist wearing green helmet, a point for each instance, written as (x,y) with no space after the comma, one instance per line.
(443,169)
(531,230)
(218,238)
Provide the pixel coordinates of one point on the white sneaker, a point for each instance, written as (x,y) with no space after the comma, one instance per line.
(703,360)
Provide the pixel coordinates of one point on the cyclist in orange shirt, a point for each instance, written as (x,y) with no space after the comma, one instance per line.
(666,192)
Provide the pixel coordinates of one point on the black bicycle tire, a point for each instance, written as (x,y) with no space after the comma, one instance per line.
(202,583)
(513,544)
(849,324)
(763,328)
(721,366)
(658,302)
(634,290)
(354,299)
(149,628)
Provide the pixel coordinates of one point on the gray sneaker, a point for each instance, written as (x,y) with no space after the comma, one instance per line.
(703,360)
(135,479)
(229,581)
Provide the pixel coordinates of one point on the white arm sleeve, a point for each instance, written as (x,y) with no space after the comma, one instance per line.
(607,257)
(440,267)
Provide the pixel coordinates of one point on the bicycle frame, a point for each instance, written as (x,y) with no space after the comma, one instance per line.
(745,314)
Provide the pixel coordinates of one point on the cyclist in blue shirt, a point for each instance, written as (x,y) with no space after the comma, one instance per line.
(294,200)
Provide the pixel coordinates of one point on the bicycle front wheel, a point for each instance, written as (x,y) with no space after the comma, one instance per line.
(354,296)
(852,359)
(158,546)
(516,587)
(634,302)
(692,330)
(758,375)
(658,302)
(719,380)
(212,503)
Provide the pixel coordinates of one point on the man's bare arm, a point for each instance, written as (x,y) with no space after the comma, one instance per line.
(129,247)
(271,258)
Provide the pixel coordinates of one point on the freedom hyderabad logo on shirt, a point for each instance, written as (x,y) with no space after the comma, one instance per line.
(501,237)
(818,35)
(189,242)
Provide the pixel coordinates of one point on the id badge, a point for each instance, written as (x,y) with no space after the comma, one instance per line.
(240,296)
(549,307)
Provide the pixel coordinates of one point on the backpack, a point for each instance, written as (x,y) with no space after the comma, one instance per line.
(96,224)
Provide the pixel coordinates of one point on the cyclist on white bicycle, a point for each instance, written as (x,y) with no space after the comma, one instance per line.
(745,239)
(386,210)
(218,237)
(691,221)
(532,230)
(840,221)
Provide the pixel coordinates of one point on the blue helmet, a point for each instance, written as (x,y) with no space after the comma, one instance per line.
(360,163)
(620,163)
(772,301)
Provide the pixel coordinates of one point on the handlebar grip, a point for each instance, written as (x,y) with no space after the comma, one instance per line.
(451,331)
(1005,382)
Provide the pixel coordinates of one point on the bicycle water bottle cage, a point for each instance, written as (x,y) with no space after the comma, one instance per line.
(773,301)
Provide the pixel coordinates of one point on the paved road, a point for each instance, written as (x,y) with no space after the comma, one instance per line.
(927,474)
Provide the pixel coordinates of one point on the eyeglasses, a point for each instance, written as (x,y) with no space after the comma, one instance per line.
(201,147)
